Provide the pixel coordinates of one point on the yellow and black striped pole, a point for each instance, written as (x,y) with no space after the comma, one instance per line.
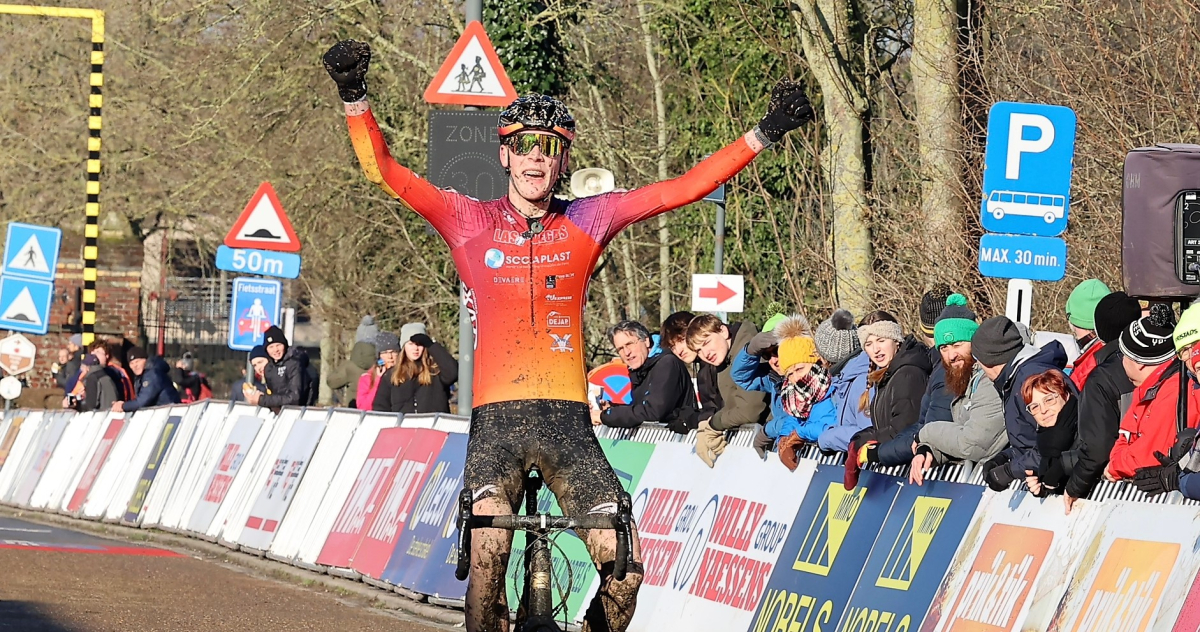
(91,231)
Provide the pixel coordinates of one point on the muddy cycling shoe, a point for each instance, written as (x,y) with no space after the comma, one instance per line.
(789,108)
(347,63)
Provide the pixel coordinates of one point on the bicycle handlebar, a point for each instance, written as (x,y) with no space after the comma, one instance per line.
(621,522)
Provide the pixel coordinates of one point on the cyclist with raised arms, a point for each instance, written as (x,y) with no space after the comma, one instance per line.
(526,260)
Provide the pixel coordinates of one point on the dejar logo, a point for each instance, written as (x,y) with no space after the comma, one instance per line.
(557,320)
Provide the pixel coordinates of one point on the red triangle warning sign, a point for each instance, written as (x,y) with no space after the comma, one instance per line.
(263,224)
(471,74)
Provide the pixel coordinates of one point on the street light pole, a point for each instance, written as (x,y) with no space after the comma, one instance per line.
(466,333)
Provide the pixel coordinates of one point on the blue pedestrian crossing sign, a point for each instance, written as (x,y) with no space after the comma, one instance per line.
(1027,169)
(25,304)
(31,251)
(254,309)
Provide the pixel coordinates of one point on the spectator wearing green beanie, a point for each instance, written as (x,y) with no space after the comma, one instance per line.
(1081,312)
(956,323)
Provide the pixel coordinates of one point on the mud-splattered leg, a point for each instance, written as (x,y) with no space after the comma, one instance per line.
(487,602)
(612,608)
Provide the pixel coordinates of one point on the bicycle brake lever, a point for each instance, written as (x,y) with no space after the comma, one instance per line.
(465,515)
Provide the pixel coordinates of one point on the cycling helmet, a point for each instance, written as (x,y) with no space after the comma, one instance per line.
(540,112)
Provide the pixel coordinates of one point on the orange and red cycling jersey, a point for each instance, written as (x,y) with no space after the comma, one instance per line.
(526,295)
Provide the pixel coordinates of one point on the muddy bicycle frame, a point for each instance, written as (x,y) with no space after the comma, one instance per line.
(538,597)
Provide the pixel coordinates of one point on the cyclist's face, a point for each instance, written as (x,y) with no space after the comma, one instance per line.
(534,175)
(633,350)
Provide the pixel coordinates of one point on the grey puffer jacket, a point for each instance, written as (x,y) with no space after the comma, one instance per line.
(976,431)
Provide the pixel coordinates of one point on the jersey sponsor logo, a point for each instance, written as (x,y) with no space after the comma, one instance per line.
(515,238)
(555,298)
(558,321)
(507,280)
(551,281)
(537,260)
(561,343)
(493,258)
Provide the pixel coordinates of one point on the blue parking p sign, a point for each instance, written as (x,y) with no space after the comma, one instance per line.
(1027,169)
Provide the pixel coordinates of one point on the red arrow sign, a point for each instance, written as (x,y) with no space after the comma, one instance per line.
(722,292)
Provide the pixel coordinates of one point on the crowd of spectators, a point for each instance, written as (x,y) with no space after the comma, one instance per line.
(407,373)
(959,388)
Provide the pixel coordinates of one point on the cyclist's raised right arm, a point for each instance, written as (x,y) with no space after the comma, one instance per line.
(379,166)
(347,63)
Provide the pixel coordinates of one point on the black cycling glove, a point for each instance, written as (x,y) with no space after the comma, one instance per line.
(347,62)
(789,108)
(1158,480)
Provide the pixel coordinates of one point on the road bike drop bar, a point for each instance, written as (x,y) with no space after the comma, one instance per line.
(621,522)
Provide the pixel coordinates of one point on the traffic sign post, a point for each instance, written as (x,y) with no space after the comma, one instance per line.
(1026,198)
(264,262)
(253,309)
(263,224)
(17,354)
(31,251)
(25,304)
(718,293)
(472,74)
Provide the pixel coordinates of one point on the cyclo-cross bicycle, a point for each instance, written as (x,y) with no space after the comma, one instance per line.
(536,610)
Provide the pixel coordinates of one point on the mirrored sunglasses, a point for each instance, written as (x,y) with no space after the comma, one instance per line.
(551,146)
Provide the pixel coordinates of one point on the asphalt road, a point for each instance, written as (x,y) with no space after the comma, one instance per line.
(58,580)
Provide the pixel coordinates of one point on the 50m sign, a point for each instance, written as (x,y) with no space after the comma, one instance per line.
(267,263)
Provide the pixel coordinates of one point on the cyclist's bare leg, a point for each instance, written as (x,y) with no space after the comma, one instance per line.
(486,602)
(612,608)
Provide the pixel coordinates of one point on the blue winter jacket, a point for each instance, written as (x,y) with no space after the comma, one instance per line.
(153,387)
(847,387)
(752,375)
(1022,450)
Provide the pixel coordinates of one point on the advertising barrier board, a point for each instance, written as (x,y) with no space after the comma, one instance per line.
(221,476)
(911,555)
(426,553)
(285,474)
(133,512)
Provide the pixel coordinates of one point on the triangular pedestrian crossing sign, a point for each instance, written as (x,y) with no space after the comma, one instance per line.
(472,74)
(30,258)
(22,309)
(263,224)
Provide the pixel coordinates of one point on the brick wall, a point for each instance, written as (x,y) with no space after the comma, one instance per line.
(118,299)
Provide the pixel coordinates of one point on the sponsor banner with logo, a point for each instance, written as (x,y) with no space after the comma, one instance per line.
(1014,564)
(136,503)
(413,467)
(573,570)
(723,541)
(280,488)
(427,551)
(365,497)
(229,462)
(823,556)
(1137,573)
(99,456)
(52,433)
(911,555)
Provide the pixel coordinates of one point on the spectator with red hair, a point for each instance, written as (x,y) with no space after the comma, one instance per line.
(1055,411)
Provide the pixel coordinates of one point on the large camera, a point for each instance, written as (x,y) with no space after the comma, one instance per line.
(1160,237)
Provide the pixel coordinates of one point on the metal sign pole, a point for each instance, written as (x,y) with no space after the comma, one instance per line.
(466,333)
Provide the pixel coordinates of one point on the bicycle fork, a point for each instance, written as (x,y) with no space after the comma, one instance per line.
(538,598)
